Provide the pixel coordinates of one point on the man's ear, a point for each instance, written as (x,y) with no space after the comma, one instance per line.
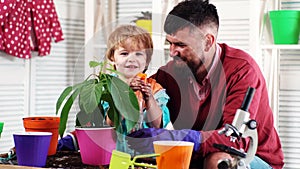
(209,41)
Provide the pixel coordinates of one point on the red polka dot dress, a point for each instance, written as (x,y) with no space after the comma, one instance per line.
(28,25)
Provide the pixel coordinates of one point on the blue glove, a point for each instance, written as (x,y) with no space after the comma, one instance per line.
(67,143)
(142,140)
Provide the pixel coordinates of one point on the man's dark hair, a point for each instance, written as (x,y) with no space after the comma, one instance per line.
(191,13)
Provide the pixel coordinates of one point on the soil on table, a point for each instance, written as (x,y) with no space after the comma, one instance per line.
(68,159)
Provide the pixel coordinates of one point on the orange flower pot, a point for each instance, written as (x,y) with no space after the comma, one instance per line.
(44,124)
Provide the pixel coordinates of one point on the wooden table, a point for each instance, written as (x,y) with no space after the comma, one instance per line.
(5,166)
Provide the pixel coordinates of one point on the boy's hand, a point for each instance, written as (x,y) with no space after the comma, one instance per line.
(140,83)
(142,76)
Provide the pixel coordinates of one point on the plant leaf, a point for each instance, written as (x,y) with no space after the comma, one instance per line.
(98,91)
(133,99)
(65,112)
(90,97)
(67,91)
(98,119)
(112,112)
(115,116)
(62,97)
(124,99)
(93,64)
(82,118)
(130,125)
(95,119)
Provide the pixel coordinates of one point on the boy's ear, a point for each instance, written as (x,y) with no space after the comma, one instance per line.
(112,63)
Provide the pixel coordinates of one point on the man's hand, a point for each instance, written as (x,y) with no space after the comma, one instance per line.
(142,140)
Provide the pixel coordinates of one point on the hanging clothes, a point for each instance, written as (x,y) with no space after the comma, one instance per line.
(5,9)
(28,25)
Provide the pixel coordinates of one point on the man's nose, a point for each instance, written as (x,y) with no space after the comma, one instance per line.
(173,50)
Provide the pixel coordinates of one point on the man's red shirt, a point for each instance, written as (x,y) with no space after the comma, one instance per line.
(209,105)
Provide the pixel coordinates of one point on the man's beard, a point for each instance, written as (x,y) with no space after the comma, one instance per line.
(181,68)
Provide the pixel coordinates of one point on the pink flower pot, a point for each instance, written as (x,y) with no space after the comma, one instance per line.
(96,145)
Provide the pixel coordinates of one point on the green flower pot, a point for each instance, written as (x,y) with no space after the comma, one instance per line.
(285,26)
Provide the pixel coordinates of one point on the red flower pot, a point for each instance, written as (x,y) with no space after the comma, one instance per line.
(44,124)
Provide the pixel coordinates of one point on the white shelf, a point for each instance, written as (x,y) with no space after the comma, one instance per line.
(296,46)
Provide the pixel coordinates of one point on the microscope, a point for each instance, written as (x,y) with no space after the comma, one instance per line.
(242,127)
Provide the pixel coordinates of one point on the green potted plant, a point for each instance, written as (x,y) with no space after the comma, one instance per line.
(94,91)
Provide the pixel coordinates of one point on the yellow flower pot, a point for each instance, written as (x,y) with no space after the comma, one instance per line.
(146,24)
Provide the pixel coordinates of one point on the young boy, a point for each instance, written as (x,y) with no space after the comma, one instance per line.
(130,48)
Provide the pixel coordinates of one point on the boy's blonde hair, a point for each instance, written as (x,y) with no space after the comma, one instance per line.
(140,39)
